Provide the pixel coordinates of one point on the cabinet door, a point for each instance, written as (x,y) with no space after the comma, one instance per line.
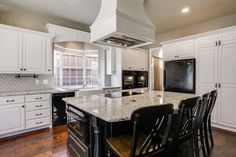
(49,56)
(228,38)
(205,42)
(207,73)
(185,49)
(12,118)
(169,51)
(11,51)
(227,79)
(129,59)
(34,53)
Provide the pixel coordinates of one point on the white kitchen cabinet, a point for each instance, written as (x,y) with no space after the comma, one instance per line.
(20,113)
(24,51)
(34,53)
(178,50)
(216,69)
(12,118)
(110,60)
(10,51)
(136,60)
(49,56)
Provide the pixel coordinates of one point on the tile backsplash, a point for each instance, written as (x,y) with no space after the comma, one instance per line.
(9,83)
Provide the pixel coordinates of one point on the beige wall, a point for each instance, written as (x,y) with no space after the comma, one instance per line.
(198,28)
(33,21)
(72,45)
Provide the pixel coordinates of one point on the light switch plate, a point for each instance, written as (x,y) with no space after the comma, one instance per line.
(37,81)
(45,81)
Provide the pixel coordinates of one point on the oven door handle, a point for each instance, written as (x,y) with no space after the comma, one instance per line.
(75,116)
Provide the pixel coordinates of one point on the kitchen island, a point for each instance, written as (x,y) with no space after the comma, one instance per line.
(107,113)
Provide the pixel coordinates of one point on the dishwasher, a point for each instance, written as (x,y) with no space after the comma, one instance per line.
(59,116)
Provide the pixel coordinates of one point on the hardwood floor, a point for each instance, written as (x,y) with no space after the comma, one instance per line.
(52,143)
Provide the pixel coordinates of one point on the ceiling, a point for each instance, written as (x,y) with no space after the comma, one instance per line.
(165,14)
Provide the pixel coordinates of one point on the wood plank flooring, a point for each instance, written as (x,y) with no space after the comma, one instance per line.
(52,143)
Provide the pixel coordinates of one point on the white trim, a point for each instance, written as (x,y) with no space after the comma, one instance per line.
(23,30)
(214,32)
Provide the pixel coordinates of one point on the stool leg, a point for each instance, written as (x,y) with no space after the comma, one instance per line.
(210,132)
(202,142)
(206,138)
(196,146)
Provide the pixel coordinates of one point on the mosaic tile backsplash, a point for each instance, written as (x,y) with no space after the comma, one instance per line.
(9,83)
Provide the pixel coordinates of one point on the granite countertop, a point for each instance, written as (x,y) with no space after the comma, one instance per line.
(52,90)
(120,109)
(28,92)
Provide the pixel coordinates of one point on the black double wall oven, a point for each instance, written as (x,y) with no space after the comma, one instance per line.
(134,79)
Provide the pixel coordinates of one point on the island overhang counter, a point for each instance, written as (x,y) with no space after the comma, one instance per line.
(104,112)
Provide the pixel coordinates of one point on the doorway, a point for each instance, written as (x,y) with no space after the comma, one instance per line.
(157,73)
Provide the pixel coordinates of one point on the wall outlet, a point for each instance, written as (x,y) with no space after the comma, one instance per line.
(45,81)
(37,81)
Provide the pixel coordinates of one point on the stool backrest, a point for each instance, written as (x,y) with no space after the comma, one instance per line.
(188,110)
(213,97)
(148,122)
(202,110)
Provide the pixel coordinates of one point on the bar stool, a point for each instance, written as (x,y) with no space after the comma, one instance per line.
(207,121)
(184,127)
(146,140)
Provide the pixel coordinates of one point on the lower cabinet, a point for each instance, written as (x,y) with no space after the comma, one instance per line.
(12,118)
(24,113)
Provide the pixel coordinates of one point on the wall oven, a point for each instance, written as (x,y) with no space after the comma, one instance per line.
(134,79)
(78,141)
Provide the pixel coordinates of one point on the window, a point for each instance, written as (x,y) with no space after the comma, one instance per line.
(76,68)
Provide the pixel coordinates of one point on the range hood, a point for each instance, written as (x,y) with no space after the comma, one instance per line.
(122,23)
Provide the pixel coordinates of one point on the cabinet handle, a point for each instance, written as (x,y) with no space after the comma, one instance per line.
(37,98)
(219,85)
(39,122)
(216,85)
(219,42)
(39,106)
(39,114)
(10,100)
(216,43)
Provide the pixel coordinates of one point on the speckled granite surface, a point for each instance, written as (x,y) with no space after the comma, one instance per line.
(120,109)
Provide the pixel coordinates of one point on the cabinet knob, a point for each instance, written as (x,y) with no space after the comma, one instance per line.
(21,69)
(49,70)
(23,106)
(24,69)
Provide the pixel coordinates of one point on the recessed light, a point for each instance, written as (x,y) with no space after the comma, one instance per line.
(185,10)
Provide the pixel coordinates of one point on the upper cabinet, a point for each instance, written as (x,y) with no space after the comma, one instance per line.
(178,50)
(24,51)
(136,60)
(10,50)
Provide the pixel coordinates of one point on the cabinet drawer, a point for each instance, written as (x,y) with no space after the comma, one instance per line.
(11,100)
(38,97)
(37,114)
(37,122)
(37,105)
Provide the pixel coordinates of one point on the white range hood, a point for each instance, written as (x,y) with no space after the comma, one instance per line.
(122,23)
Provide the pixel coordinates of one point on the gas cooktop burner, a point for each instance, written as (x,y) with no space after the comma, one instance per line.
(122,94)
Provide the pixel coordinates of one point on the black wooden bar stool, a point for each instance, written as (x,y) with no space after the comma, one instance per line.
(184,127)
(145,141)
(207,121)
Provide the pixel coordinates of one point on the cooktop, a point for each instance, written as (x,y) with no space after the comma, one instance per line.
(121,94)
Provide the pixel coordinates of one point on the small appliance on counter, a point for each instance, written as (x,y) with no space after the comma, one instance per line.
(134,79)
(59,107)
